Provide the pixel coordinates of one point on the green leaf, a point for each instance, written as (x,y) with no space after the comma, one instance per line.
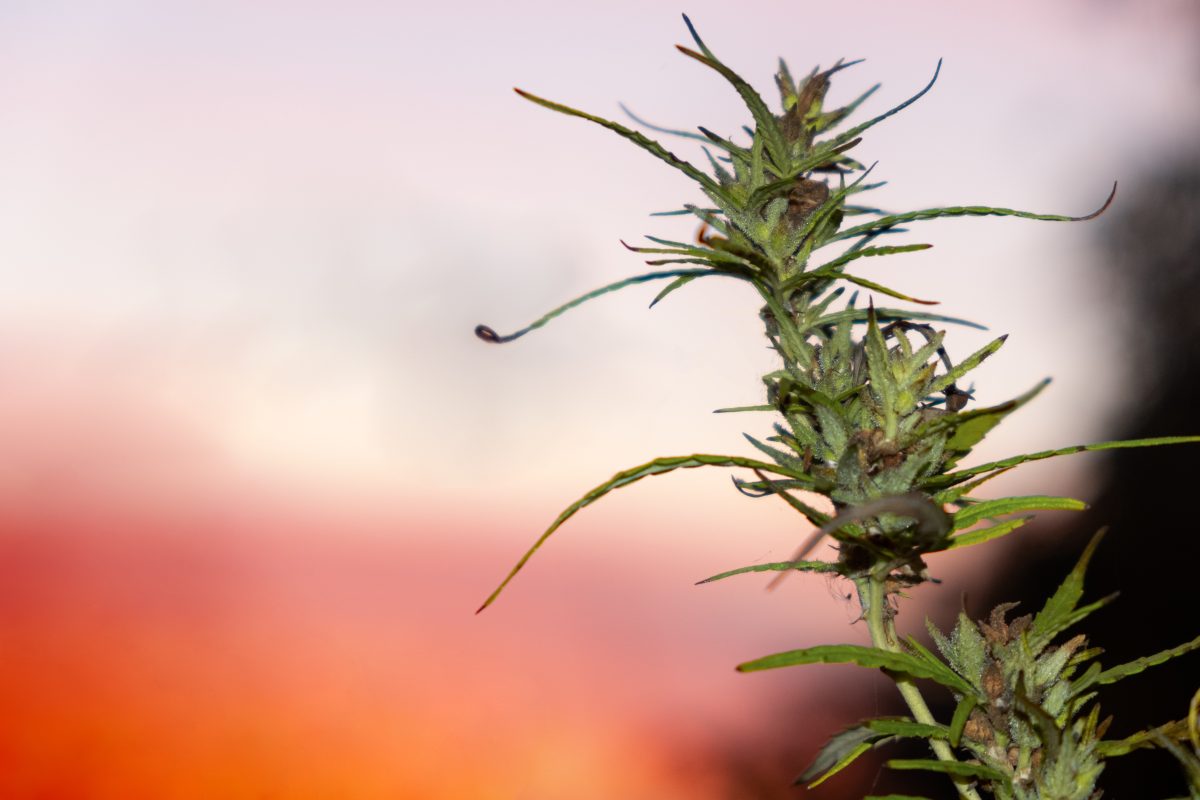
(1145,662)
(846,746)
(818,518)
(489,335)
(838,753)
(894,797)
(968,428)
(786,181)
(670,131)
(775,566)
(1053,617)
(856,130)
(737,409)
(962,712)
(649,145)
(765,123)
(832,118)
(990,509)
(952,478)
(877,287)
(656,467)
(943,673)
(907,728)
(866,252)
(696,37)
(1111,748)
(790,460)
(982,535)
(682,280)
(960,211)
(956,768)
(967,364)
(863,656)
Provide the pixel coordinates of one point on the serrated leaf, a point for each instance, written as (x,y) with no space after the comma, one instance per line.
(982,535)
(766,126)
(838,753)
(945,674)
(656,467)
(989,509)
(649,145)
(832,118)
(960,211)
(858,129)
(957,768)
(866,252)
(1058,609)
(1145,662)
(952,478)
(487,334)
(908,728)
(878,287)
(869,657)
(1111,748)
(775,566)
(679,282)
(967,364)
(846,746)
(968,428)
(782,457)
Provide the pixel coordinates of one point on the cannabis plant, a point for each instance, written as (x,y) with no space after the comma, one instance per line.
(870,415)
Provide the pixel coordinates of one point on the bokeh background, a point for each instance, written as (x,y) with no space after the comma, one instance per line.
(258,473)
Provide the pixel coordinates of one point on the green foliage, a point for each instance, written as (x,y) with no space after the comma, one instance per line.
(870,416)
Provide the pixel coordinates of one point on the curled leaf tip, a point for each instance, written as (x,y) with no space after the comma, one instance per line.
(1111,196)
(489,334)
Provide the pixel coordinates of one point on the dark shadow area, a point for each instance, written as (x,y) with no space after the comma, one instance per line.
(1150,252)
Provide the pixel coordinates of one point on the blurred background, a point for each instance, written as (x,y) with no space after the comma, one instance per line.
(258,473)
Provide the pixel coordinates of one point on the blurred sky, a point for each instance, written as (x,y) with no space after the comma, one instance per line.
(243,247)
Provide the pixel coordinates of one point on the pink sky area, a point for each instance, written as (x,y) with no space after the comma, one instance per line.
(258,474)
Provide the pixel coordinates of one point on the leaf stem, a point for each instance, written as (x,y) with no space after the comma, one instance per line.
(873,596)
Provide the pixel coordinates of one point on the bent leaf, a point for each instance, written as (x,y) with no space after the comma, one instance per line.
(866,252)
(870,657)
(656,467)
(766,126)
(838,753)
(1145,662)
(1110,748)
(775,566)
(489,335)
(857,129)
(952,478)
(964,211)
(986,534)
(649,145)
(989,509)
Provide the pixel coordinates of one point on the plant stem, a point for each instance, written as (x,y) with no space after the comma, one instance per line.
(883,636)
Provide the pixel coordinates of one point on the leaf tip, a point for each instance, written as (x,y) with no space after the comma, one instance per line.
(1111,196)
(488,334)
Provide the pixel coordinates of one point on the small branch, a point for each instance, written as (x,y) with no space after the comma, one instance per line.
(883,635)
